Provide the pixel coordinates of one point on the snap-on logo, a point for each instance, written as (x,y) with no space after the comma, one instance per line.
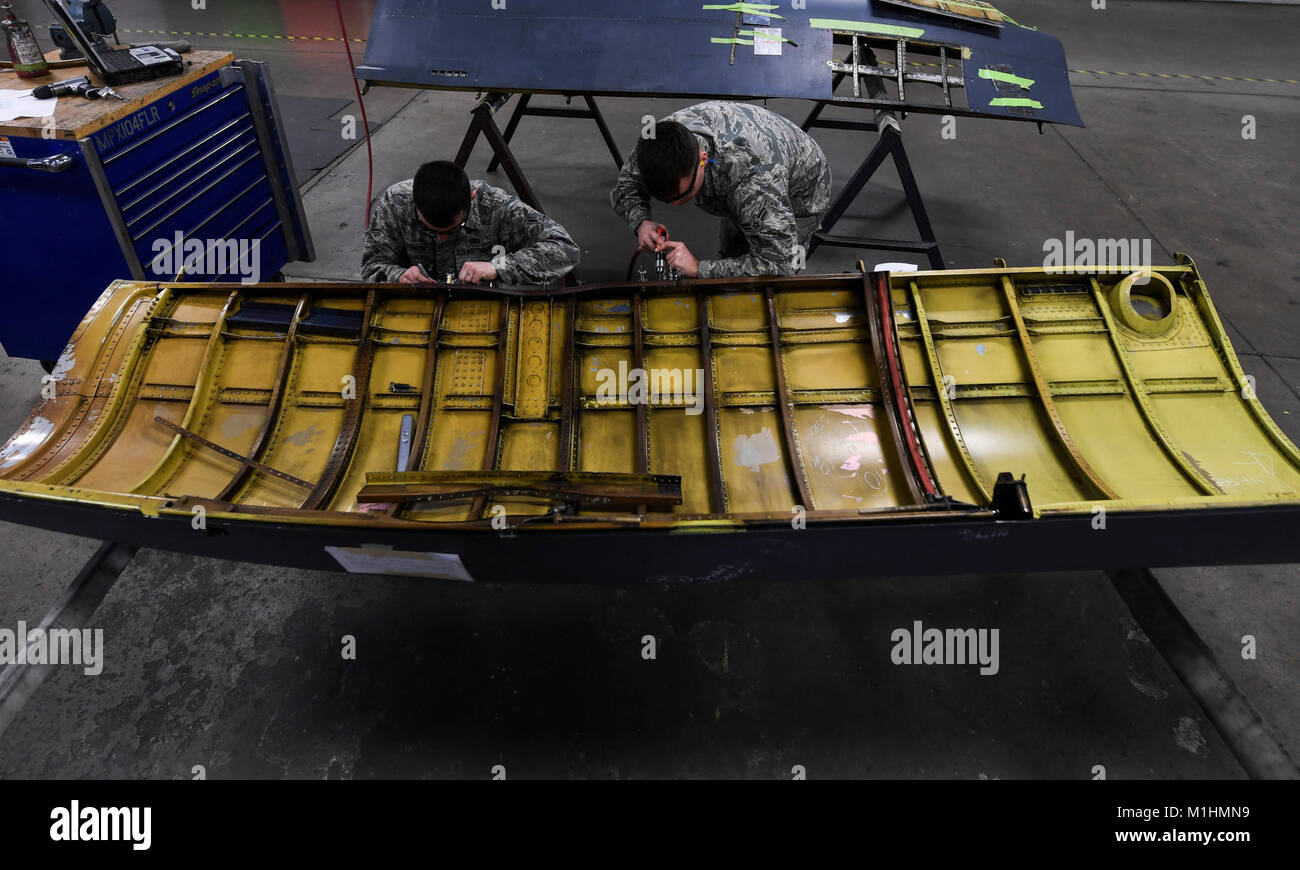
(199,90)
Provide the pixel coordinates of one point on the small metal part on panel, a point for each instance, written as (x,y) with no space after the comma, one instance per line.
(1011,497)
(404,442)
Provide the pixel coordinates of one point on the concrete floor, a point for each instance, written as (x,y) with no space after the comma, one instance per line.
(237,667)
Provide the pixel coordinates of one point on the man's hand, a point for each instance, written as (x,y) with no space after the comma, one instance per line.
(475,273)
(680,257)
(415,275)
(647,233)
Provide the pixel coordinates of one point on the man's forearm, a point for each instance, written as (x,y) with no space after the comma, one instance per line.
(636,215)
(628,198)
(632,207)
(539,263)
(376,272)
(744,266)
(382,253)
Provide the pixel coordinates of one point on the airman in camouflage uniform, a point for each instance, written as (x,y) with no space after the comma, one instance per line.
(767,179)
(537,250)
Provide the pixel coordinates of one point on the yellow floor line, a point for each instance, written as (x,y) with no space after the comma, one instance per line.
(245,35)
(1102,72)
(235,35)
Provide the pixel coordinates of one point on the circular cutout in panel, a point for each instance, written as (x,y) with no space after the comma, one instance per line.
(1148,306)
(1149,311)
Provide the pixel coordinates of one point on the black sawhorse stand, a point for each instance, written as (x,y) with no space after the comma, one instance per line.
(592,111)
(484,123)
(890,145)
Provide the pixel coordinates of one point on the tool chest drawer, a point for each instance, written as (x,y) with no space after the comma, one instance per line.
(134,147)
(147,204)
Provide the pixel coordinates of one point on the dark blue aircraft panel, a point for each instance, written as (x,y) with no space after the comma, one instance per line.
(684,48)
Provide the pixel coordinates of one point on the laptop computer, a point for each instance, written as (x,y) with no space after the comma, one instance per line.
(120,66)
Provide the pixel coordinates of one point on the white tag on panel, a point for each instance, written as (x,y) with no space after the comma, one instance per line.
(767,40)
(403,563)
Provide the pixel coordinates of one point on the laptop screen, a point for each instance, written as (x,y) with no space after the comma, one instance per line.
(69,25)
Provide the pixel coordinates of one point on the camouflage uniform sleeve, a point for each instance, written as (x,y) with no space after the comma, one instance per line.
(629,198)
(761,208)
(539,249)
(384,256)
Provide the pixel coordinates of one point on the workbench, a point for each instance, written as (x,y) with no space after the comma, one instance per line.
(180,177)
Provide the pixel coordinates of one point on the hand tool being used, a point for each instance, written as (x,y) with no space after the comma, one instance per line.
(428,273)
(665,271)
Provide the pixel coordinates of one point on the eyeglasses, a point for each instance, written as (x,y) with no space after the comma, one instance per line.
(687,192)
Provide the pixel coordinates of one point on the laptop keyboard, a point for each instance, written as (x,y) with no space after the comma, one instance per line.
(119,61)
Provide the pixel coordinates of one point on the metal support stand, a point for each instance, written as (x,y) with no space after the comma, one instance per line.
(1248,736)
(592,111)
(72,611)
(483,123)
(890,145)
(818,107)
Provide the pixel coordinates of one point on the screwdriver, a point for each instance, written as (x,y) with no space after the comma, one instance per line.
(662,269)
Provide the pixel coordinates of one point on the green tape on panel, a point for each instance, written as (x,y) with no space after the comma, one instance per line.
(752,8)
(998,76)
(980,6)
(718,40)
(1016,101)
(759,35)
(865,27)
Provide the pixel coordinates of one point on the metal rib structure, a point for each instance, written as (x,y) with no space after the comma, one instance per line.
(785,408)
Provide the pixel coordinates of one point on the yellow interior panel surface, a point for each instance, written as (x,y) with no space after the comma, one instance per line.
(847,459)
(843,396)
(677,446)
(945,457)
(754,460)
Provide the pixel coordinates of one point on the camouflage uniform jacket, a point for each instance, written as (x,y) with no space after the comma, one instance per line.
(763,173)
(537,249)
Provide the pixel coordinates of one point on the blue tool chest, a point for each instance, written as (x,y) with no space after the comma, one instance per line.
(196,179)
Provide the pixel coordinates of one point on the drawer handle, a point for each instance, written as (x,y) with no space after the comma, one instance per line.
(53,163)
